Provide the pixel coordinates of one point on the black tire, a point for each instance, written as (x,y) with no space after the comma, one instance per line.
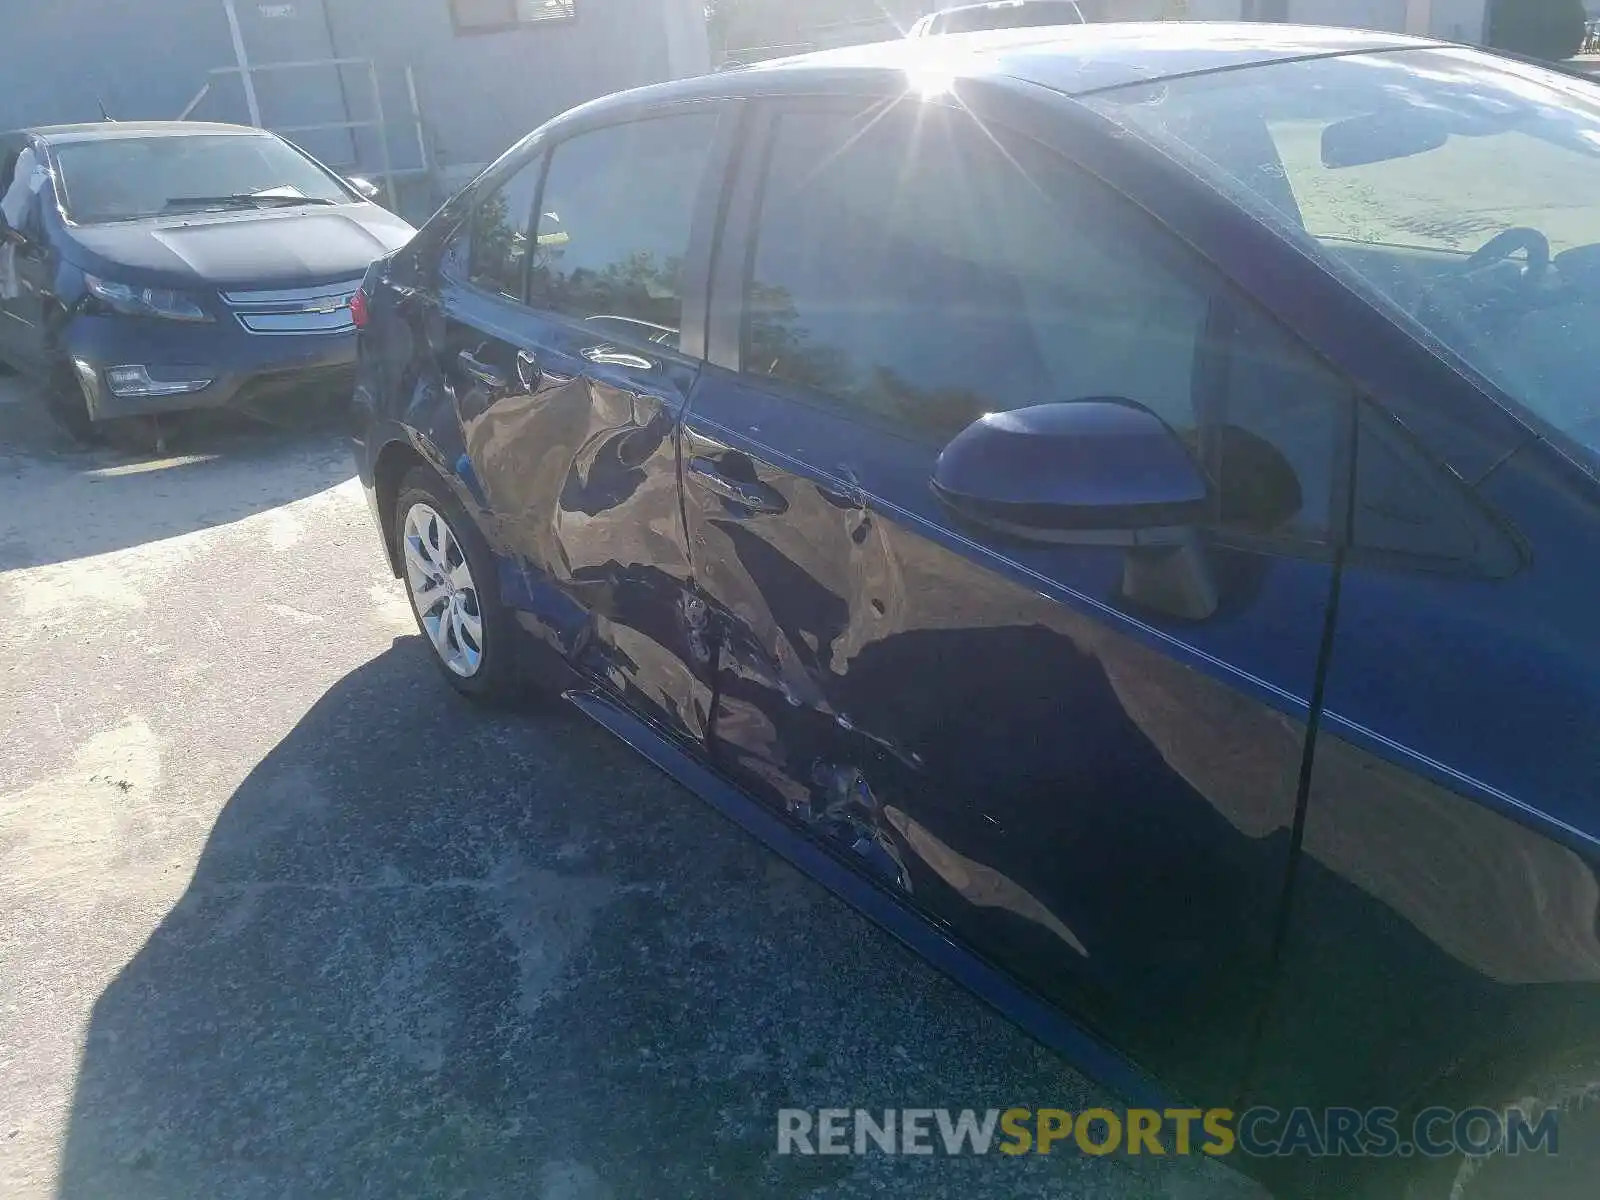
(1572,1092)
(495,677)
(135,435)
(69,406)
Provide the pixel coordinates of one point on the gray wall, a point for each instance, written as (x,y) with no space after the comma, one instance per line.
(55,57)
(1360,14)
(479,92)
(1459,20)
(1454,20)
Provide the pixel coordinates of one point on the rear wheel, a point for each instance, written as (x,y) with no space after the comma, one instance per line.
(1564,1170)
(450,579)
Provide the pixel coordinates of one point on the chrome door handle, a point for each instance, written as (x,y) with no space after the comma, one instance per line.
(481,371)
(610,356)
(757,497)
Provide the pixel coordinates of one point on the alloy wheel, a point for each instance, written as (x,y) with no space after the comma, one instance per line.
(443,592)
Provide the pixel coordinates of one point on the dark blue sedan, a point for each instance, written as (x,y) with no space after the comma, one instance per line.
(1120,505)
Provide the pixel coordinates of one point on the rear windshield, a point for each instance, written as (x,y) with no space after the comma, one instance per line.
(122,179)
(1020,16)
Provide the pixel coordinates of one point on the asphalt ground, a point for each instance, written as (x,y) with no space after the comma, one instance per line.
(281,916)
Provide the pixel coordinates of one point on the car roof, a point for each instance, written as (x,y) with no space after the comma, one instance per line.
(103,131)
(1073,59)
(1081,58)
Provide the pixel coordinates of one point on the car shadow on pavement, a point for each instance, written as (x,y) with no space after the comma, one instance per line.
(428,951)
(72,501)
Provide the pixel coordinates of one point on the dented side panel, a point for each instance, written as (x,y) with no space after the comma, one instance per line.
(573,465)
(1095,801)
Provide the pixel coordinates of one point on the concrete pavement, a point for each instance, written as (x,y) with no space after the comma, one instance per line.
(281,916)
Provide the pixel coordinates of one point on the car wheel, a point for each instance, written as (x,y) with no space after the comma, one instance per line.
(68,404)
(450,577)
(1573,1094)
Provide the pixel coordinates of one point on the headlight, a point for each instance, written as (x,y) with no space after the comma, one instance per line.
(145,302)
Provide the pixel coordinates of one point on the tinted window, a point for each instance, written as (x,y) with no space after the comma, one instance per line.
(118,179)
(1406,505)
(614,225)
(912,269)
(500,232)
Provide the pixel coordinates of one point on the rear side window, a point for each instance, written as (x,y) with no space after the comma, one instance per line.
(614,224)
(912,269)
(500,232)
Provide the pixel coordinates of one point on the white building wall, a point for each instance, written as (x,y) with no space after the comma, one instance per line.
(1357,14)
(688,50)
(1458,20)
(1452,20)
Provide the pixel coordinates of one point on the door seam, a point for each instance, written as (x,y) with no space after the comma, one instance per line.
(1302,802)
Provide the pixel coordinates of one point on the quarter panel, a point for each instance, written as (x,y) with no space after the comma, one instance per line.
(1445,911)
(1438,953)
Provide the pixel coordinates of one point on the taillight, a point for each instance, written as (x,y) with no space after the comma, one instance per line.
(358,308)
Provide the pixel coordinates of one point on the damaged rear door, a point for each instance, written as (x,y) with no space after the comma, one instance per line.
(570,411)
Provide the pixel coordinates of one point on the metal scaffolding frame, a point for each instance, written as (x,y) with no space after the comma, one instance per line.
(378,122)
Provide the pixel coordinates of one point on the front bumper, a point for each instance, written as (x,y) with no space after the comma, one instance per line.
(244,369)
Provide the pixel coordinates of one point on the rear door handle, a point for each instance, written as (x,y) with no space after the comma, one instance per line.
(757,497)
(481,371)
(610,356)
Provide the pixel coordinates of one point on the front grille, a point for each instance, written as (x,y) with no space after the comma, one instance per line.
(324,308)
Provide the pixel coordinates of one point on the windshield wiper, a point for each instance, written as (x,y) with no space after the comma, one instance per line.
(241,200)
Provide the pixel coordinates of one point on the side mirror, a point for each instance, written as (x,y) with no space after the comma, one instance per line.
(1102,471)
(365,187)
